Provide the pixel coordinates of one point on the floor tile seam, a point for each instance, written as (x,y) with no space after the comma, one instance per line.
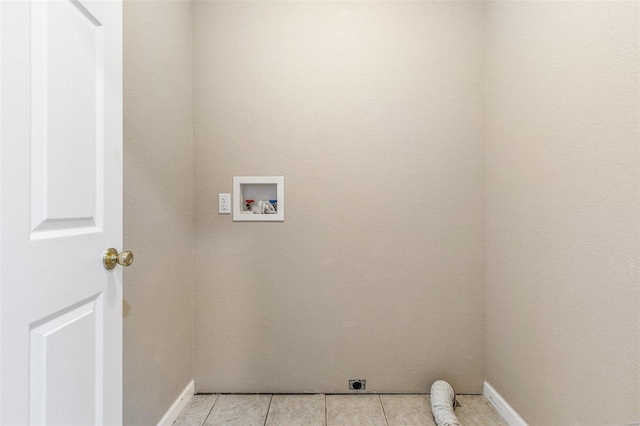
(326,418)
(204,422)
(268,409)
(384,413)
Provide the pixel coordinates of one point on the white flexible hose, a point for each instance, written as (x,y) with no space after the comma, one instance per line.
(443,400)
(263,207)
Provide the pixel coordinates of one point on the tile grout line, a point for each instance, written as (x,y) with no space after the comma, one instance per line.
(268,409)
(210,410)
(326,416)
(384,413)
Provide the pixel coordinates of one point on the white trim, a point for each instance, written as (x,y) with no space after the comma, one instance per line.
(178,405)
(504,409)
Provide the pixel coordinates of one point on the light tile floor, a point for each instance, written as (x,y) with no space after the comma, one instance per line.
(329,410)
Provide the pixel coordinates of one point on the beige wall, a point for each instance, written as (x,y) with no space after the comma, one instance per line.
(373,112)
(562,210)
(158,199)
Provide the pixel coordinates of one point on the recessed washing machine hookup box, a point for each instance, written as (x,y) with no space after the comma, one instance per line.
(258,198)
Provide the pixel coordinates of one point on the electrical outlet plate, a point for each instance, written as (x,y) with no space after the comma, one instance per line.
(224,203)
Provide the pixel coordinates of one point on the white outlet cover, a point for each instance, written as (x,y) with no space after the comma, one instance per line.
(224,203)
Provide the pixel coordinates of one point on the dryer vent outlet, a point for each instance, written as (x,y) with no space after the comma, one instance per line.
(357,384)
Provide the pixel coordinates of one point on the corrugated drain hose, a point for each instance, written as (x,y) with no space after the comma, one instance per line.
(443,401)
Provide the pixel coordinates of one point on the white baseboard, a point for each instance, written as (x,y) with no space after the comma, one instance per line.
(504,409)
(178,405)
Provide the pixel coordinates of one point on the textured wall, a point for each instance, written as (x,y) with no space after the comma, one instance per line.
(562,210)
(158,212)
(373,112)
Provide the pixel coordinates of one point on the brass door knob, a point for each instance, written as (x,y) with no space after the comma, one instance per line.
(111,258)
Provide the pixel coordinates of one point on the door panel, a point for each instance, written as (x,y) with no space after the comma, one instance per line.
(60,208)
(63,349)
(67,117)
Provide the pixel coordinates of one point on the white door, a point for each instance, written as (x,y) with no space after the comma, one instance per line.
(60,208)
